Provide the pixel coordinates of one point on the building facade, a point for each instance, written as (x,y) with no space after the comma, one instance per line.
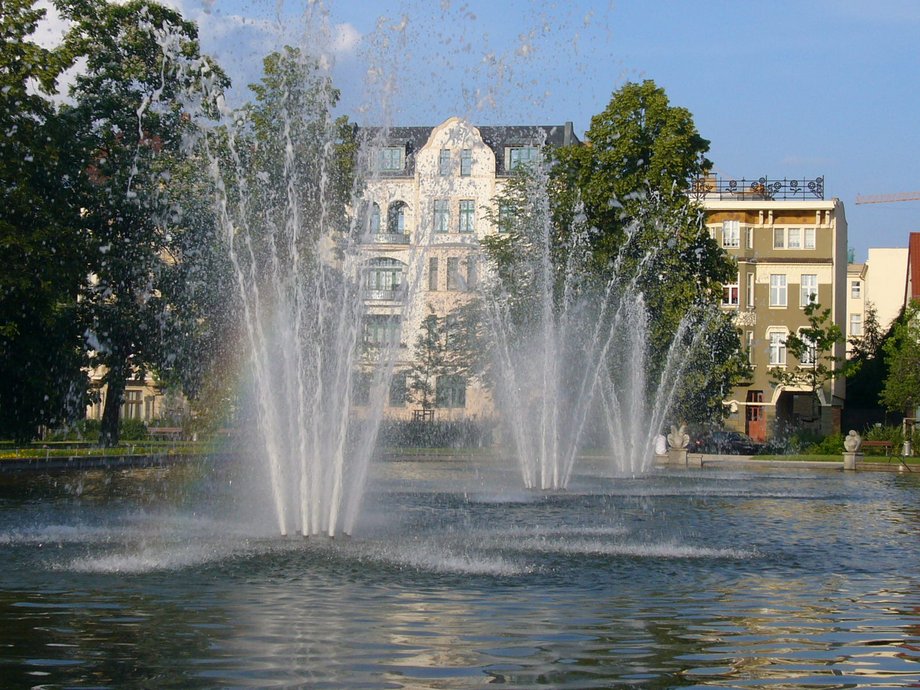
(144,400)
(881,282)
(791,247)
(429,200)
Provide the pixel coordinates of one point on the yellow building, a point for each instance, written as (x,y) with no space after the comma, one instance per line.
(144,400)
(791,247)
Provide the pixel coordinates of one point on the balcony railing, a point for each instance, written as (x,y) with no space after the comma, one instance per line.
(762,189)
(385,238)
(397,294)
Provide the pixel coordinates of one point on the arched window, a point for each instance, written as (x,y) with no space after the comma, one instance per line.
(374,221)
(396,218)
(384,274)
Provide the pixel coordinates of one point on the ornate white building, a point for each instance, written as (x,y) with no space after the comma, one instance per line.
(427,204)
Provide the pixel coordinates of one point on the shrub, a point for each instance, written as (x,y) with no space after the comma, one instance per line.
(133,430)
(829,445)
(891,433)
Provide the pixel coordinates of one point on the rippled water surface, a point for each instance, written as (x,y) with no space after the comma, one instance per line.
(703,578)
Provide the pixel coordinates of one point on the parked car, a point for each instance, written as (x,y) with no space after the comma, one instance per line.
(726,442)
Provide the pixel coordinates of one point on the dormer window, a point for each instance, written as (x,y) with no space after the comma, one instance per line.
(392,159)
(517,156)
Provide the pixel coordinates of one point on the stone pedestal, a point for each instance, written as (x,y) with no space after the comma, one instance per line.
(850,458)
(677,456)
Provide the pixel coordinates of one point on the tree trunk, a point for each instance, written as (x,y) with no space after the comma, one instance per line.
(111,414)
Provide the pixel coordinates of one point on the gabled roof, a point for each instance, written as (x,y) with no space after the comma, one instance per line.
(495,137)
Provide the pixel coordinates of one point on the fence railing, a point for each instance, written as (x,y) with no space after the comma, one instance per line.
(763,188)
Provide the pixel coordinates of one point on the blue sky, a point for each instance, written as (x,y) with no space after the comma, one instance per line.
(782,89)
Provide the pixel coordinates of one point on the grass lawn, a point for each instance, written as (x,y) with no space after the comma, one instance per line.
(72,450)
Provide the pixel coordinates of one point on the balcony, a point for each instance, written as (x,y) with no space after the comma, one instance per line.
(397,294)
(762,189)
(385,238)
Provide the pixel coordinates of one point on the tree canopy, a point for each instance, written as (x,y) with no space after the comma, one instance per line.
(42,247)
(901,391)
(135,105)
(628,186)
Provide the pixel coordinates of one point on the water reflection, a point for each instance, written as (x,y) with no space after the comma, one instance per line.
(710,578)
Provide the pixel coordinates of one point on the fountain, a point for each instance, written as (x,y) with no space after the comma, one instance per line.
(453,576)
(294,253)
(571,351)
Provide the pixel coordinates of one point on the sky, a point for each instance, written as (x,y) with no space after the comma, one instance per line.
(781,89)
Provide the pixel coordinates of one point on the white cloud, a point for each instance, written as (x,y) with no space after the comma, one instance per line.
(238,42)
(51,29)
(345,39)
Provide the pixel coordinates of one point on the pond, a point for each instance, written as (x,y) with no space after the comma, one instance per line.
(454,578)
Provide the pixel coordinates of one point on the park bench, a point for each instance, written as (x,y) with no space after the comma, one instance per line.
(887,445)
(171,433)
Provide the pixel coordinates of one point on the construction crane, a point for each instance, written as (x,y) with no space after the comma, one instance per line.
(887,198)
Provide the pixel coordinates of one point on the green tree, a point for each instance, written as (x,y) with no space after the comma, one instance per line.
(867,346)
(289,164)
(901,392)
(41,245)
(619,211)
(640,145)
(813,348)
(134,112)
(443,348)
(428,362)
(629,186)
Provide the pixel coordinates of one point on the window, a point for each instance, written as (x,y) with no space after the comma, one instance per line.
(777,290)
(731,233)
(522,155)
(730,295)
(472,273)
(466,162)
(809,353)
(856,325)
(809,238)
(466,215)
(444,163)
(396,218)
(809,289)
(433,273)
(793,238)
(384,274)
(750,289)
(391,159)
(750,347)
(779,238)
(450,391)
(397,397)
(777,348)
(454,281)
(131,408)
(361,388)
(749,231)
(381,330)
(856,289)
(441,215)
(374,221)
